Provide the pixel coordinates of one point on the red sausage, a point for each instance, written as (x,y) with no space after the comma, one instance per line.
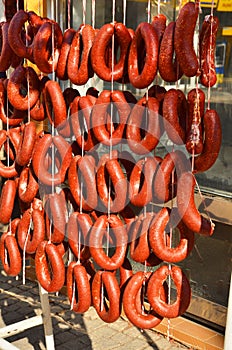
(126,272)
(207,46)
(79,69)
(61,70)
(132,304)
(160,242)
(109,281)
(7,199)
(28,186)
(55,218)
(81,298)
(6,52)
(212,142)
(35,216)
(169,68)
(47,253)
(187,208)
(141,74)
(97,234)
(26,144)
(183,38)
(9,170)
(183,290)
(159,24)
(175,109)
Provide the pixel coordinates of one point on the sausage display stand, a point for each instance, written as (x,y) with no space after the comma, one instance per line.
(108,128)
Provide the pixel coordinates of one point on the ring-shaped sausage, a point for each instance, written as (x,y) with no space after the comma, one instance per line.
(160,241)
(6,171)
(48,254)
(110,134)
(145,116)
(98,232)
(26,144)
(8,193)
(132,304)
(61,70)
(6,52)
(183,291)
(17,88)
(142,71)
(112,312)
(28,186)
(80,299)
(39,159)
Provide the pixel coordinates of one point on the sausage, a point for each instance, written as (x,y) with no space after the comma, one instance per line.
(164,185)
(28,236)
(138,236)
(82,182)
(7,199)
(212,142)
(142,70)
(48,253)
(183,290)
(15,38)
(79,68)
(99,117)
(187,208)
(28,186)
(194,133)
(141,180)
(121,196)
(19,78)
(132,304)
(56,107)
(55,217)
(160,242)
(12,143)
(159,24)
(61,69)
(39,157)
(44,53)
(79,226)
(108,280)
(119,235)
(168,67)
(183,44)
(80,299)
(6,52)
(11,7)
(207,46)
(103,41)
(9,251)
(126,272)
(6,171)
(26,144)
(80,119)
(153,130)
(175,111)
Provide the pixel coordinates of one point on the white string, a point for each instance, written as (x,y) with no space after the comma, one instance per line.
(93,13)
(158,7)
(84,10)
(24,251)
(148,11)
(124,11)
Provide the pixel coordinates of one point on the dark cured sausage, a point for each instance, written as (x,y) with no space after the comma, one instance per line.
(187,208)
(48,252)
(141,180)
(6,52)
(212,142)
(194,133)
(169,68)
(112,312)
(7,199)
(29,239)
(26,144)
(207,46)
(183,39)
(153,130)
(132,304)
(44,54)
(160,242)
(181,304)
(11,7)
(79,226)
(9,251)
(175,109)
(159,24)
(28,186)
(61,70)
(99,117)
(21,76)
(142,77)
(77,274)
(79,68)
(100,46)
(39,157)
(97,234)
(82,182)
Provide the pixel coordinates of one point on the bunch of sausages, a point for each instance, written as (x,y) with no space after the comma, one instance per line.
(94,187)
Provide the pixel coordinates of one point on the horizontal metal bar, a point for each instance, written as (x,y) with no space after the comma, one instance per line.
(20,326)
